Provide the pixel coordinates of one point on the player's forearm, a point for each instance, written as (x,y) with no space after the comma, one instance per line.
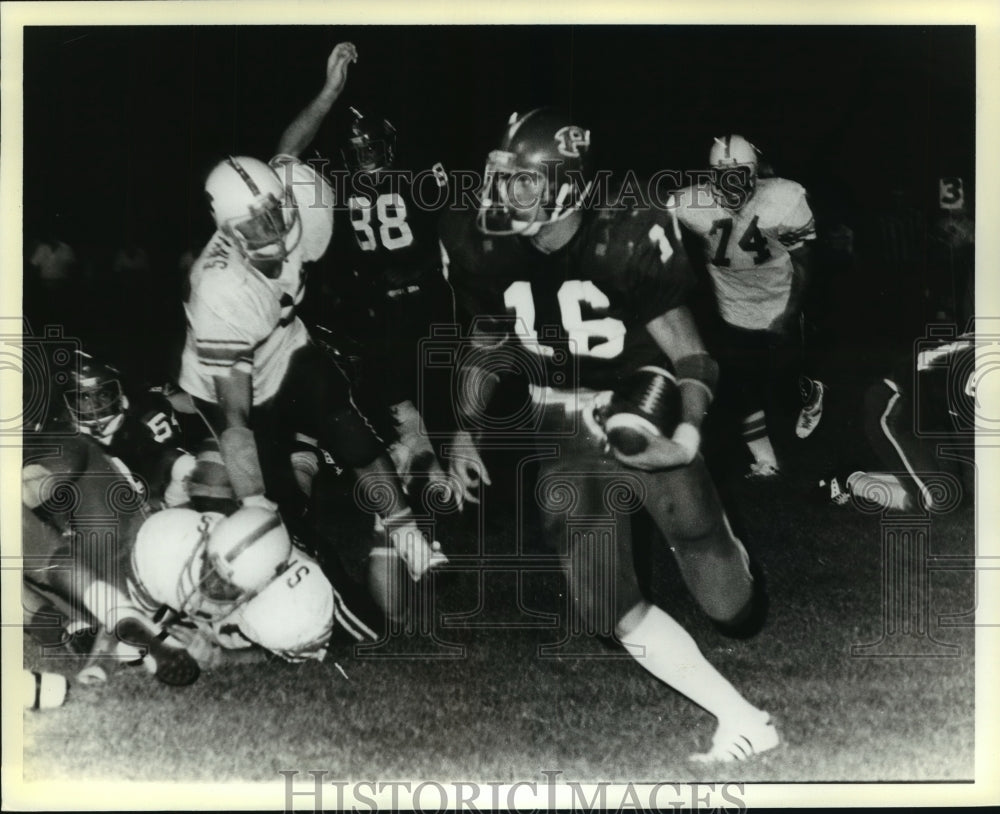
(303,129)
(237,443)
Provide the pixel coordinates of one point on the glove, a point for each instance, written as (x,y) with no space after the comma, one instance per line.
(260,502)
(412,546)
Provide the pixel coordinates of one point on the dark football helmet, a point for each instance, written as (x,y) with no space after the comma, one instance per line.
(370,145)
(94,398)
(541,173)
(734,162)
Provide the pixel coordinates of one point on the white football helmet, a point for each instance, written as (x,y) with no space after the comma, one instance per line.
(734,162)
(253,206)
(245,553)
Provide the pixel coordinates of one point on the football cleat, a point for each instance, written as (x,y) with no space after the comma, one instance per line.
(812,410)
(837,495)
(170,664)
(647,404)
(733,744)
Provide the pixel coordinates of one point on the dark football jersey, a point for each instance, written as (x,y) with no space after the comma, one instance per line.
(580,311)
(385,288)
(85,489)
(942,378)
(388,232)
(149,442)
(144,448)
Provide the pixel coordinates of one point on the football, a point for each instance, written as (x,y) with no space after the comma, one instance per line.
(647,403)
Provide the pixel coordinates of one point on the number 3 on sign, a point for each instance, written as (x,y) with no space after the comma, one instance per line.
(608,332)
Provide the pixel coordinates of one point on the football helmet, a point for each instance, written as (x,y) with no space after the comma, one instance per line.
(541,173)
(370,145)
(734,162)
(94,399)
(244,554)
(256,209)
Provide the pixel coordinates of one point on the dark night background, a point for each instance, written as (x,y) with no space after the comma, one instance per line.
(121,124)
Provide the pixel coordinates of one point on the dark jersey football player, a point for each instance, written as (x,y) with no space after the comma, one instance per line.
(137,431)
(82,502)
(384,289)
(592,297)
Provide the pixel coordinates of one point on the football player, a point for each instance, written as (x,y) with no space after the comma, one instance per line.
(102,461)
(385,288)
(587,297)
(81,509)
(140,434)
(249,363)
(233,582)
(753,235)
(920,422)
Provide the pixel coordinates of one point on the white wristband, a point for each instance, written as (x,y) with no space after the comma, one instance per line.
(687,436)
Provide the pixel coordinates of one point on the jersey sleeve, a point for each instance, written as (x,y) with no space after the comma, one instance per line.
(315,200)
(470,292)
(798,224)
(660,273)
(222,340)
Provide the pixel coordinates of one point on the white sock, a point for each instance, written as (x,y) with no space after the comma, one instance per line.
(762,451)
(664,648)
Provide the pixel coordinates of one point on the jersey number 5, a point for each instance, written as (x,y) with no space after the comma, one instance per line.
(752,242)
(388,216)
(601,338)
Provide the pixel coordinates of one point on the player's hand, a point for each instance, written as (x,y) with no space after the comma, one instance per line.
(342,55)
(466,469)
(412,546)
(661,453)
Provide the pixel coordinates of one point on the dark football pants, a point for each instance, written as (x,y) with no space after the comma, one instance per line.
(889,425)
(760,371)
(587,499)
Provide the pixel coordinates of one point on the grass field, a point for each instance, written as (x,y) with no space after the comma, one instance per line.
(502,710)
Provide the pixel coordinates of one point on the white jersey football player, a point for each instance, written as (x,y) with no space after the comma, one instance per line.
(240,581)
(254,374)
(753,233)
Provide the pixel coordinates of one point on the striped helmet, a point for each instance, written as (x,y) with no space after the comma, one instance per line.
(255,208)
(247,551)
(734,162)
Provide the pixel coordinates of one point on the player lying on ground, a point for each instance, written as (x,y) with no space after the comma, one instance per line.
(526,270)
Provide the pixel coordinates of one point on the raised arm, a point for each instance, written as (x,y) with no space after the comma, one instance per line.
(301,132)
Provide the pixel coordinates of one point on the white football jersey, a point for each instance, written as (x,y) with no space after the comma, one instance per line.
(293,616)
(747,252)
(238,319)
